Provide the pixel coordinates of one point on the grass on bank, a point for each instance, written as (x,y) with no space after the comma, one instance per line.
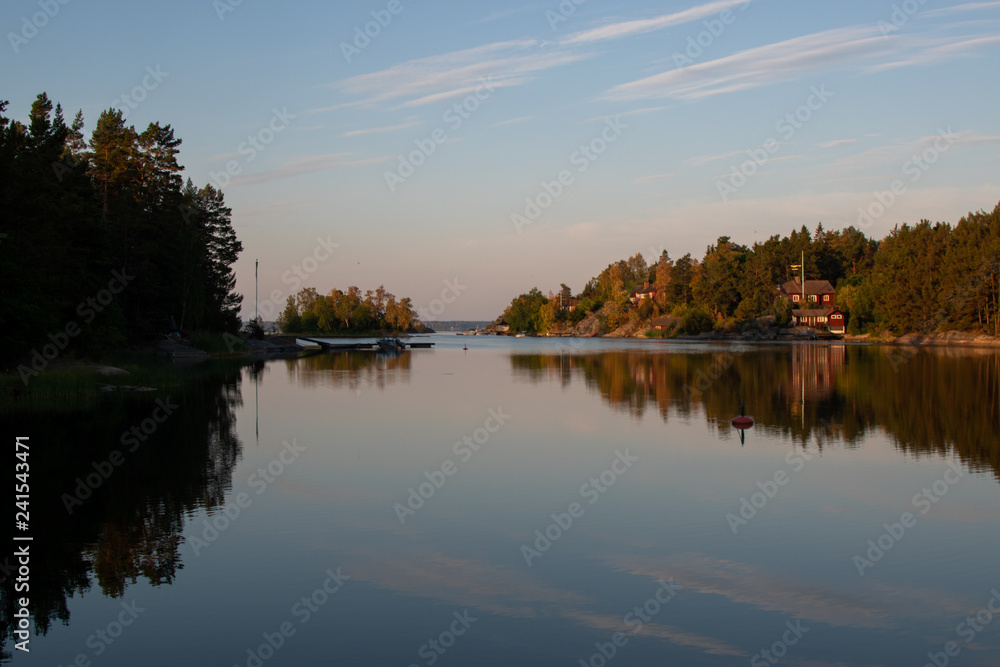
(220,345)
(68,387)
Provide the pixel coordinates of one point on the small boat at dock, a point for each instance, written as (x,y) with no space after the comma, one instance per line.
(393,345)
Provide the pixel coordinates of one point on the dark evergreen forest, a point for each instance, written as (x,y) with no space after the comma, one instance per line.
(102,241)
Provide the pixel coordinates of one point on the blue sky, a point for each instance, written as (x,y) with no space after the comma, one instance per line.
(668,124)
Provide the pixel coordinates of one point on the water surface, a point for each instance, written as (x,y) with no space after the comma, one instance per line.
(523,501)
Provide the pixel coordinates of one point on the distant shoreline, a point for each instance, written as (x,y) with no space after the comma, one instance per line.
(946,339)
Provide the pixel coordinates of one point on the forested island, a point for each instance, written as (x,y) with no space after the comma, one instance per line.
(103,242)
(924,278)
(348,313)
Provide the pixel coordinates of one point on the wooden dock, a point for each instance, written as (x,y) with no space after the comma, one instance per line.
(336,347)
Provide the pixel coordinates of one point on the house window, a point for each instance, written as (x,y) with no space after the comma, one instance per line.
(795,297)
(826,298)
(812,297)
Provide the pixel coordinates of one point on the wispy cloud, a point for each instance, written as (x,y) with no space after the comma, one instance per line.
(512,121)
(681,637)
(770,160)
(305,165)
(435,78)
(381,130)
(899,152)
(757,66)
(836,143)
(634,112)
(653,178)
(967,7)
(444,95)
(937,53)
(860,49)
(219,157)
(766,589)
(641,26)
(707,159)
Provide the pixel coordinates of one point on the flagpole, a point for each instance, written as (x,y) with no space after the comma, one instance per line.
(255,264)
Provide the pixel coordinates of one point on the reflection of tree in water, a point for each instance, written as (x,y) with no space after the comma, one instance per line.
(130,527)
(929,401)
(353,370)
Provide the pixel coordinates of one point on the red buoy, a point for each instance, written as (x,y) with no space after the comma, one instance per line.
(742,422)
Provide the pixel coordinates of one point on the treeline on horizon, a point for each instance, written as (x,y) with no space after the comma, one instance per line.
(922,278)
(103,242)
(341,312)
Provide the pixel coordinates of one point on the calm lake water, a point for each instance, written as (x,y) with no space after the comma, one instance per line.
(527,502)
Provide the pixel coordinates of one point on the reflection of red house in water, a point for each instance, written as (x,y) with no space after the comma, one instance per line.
(814,369)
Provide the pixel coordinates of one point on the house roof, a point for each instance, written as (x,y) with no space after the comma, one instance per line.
(814,312)
(644,290)
(812,287)
(664,321)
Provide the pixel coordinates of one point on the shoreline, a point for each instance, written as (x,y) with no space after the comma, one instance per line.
(946,339)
